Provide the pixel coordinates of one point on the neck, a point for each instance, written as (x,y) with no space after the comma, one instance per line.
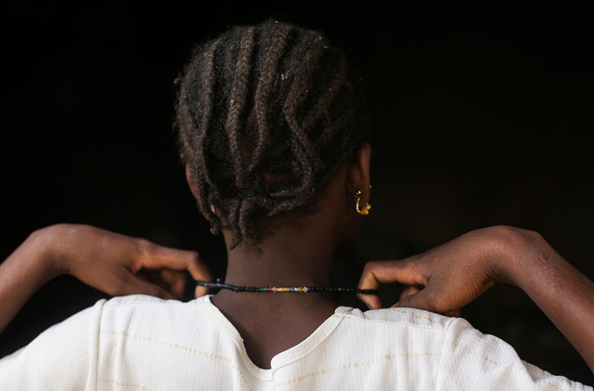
(288,258)
(298,261)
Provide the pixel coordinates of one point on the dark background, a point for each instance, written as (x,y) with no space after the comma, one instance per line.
(483,116)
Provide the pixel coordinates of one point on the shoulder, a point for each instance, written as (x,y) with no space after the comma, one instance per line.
(138,300)
(397,316)
(403,331)
(472,359)
(123,311)
(70,344)
(140,303)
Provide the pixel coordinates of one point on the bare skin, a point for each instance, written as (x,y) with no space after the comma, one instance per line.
(456,273)
(115,264)
(272,323)
(441,280)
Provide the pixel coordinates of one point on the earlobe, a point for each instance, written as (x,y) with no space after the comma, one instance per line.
(364,162)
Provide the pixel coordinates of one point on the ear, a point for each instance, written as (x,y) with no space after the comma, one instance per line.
(191,182)
(358,173)
(193,187)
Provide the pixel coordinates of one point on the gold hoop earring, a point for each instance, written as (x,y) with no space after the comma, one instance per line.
(365,210)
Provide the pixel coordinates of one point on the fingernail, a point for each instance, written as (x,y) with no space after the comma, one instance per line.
(200,291)
(375,305)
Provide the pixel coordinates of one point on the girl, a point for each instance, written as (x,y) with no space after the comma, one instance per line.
(274,134)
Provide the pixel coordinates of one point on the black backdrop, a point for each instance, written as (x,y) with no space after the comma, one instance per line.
(483,116)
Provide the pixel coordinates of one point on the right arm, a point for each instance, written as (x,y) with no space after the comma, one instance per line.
(454,274)
(113,263)
(65,355)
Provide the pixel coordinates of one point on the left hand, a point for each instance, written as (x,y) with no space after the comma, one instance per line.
(448,277)
(121,265)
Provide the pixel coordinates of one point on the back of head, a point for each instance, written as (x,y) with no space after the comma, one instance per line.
(266,116)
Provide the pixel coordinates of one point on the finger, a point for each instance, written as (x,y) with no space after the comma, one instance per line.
(454,314)
(144,277)
(129,284)
(175,281)
(422,300)
(200,291)
(404,271)
(149,275)
(155,257)
(410,290)
(369,281)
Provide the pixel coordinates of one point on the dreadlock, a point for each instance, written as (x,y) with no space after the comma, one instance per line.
(266,116)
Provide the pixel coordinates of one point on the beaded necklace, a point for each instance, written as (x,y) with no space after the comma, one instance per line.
(292,289)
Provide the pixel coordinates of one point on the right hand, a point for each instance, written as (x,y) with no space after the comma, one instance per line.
(121,265)
(448,277)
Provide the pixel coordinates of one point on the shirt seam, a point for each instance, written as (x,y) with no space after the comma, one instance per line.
(447,334)
(144,303)
(93,385)
(443,327)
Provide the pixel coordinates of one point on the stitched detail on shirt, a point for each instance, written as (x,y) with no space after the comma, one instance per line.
(124,384)
(554,386)
(83,321)
(433,327)
(514,365)
(416,316)
(96,350)
(41,346)
(357,365)
(200,353)
(447,334)
(166,303)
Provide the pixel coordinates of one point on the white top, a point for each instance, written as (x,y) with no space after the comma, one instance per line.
(141,342)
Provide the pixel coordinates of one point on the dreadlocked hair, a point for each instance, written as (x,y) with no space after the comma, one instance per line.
(266,115)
